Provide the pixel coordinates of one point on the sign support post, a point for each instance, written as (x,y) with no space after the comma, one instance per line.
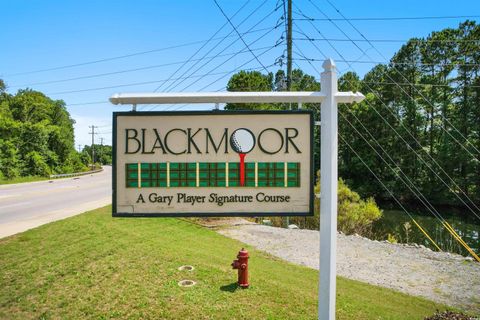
(329,97)
(328,193)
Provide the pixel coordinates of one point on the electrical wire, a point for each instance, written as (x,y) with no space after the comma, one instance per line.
(207,62)
(409,185)
(239,35)
(133,84)
(416,140)
(199,49)
(128,70)
(173,85)
(435,213)
(388,18)
(86,103)
(389,40)
(386,188)
(406,79)
(417,64)
(109,59)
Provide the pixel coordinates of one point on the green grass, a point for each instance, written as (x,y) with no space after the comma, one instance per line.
(22,179)
(93,266)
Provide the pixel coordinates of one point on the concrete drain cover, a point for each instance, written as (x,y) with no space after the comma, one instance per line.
(187,283)
(186,268)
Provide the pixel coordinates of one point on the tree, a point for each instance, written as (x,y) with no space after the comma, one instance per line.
(418,130)
(9,162)
(249,81)
(36,135)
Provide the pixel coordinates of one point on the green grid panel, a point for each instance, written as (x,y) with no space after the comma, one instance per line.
(131,175)
(249,174)
(212,174)
(183,174)
(293,174)
(271,174)
(233,174)
(154,175)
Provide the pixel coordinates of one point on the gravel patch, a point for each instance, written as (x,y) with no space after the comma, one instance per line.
(439,276)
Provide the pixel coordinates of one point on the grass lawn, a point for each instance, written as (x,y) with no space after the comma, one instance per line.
(93,266)
(22,179)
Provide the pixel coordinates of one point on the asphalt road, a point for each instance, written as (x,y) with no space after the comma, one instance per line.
(28,205)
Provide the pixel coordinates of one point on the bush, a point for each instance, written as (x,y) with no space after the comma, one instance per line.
(35,165)
(354,214)
(9,161)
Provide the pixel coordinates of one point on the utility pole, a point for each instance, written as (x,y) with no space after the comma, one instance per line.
(93,143)
(289,64)
(101,140)
(79,147)
(289,46)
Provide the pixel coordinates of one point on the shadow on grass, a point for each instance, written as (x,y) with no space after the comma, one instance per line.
(232,287)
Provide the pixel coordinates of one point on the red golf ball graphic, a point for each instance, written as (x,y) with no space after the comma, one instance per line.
(242,141)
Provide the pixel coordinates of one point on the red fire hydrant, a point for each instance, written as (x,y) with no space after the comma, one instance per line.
(242,265)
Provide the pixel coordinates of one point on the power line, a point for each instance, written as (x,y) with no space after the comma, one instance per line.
(435,213)
(175,84)
(406,143)
(393,83)
(417,193)
(427,204)
(86,103)
(385,73)
(199,49)
(133,84)
(403,76)
(221,77)
(108,59)
(126,70)
(184,78)
(306,18)
(400,170)
(413,64)
(402,124)
(239,35)
(416,84)
(171,86)
(390,40)
(258,39)
(383,185)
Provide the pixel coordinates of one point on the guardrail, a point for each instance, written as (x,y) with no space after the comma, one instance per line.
(75,174)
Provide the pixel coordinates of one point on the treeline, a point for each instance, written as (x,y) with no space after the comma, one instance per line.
(418,130)
(423,109)
(36,136)
(103,153)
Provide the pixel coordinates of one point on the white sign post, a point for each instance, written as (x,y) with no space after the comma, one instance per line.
(329,97)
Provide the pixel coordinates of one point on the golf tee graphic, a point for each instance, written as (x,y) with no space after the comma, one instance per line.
(242,142)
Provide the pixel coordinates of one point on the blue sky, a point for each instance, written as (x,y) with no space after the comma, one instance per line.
(38,35)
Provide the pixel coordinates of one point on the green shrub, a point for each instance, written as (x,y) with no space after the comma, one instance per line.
(9,161)
(391,238)
(354,214)
(35,165)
